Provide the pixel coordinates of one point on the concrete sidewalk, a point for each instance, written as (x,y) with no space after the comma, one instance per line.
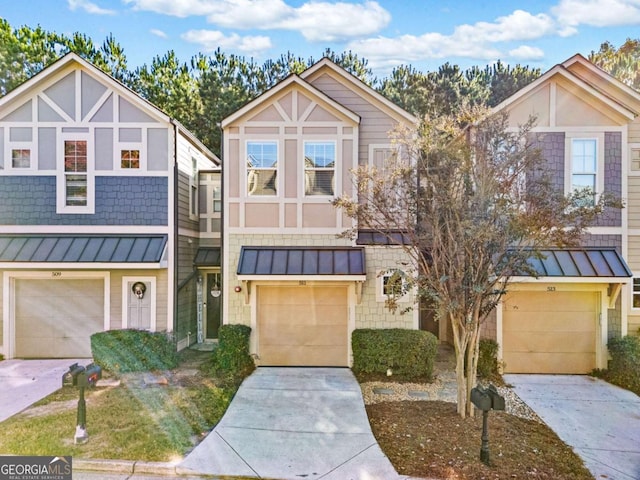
(24,382)
(600,421)
(292,423)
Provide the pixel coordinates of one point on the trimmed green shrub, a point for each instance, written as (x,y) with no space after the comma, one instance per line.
(130,350)
(624,368)
(488,358)
(409,353)
(232,358)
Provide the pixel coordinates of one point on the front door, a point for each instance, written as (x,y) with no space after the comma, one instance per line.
(213,302)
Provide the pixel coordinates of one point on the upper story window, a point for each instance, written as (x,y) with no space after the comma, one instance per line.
(319,168)
(129,158)
(75,180)
(193,189)
(20,158)
(262,168)
(584,165)
(217,199)
(75,173)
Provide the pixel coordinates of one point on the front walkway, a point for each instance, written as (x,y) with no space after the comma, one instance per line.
(293,423)
(600,421)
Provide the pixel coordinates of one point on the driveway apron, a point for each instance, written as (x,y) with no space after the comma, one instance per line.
(24,382)
(293,423)
(600,421)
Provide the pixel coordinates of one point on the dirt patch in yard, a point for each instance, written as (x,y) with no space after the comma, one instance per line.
(429,439)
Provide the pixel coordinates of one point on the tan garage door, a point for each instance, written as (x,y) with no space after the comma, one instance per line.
(303,325)
(55,318)
(550,332)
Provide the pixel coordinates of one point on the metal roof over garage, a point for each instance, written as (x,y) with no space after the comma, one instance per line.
(301,261)
(581,262)
(82,248)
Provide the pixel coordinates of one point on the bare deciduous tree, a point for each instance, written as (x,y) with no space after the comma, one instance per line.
(475,203)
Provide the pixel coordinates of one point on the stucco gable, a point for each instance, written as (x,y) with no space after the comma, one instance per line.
(291,99)
(328,69)
(570,100)
(57,87)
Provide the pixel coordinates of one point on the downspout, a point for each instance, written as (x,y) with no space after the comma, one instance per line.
(175,230)
(222,209)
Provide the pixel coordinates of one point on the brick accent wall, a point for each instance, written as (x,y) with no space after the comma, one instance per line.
(31,200)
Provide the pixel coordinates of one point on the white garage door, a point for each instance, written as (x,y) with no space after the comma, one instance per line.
(303,325)
(550,332)
(55,318)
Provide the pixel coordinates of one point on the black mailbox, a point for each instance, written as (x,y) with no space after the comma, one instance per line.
(92,373)
(70,377)
(497,400)
(481,399)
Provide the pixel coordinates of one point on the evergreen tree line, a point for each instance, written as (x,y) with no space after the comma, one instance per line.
(203,91)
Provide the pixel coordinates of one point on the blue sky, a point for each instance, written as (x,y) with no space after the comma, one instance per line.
(423,33)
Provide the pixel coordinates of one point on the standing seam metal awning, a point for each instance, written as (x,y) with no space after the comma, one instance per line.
(82,248)
(301,261)
(581,262)
(207,257)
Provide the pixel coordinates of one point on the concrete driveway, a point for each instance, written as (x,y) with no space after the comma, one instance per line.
(24,382)
(293,423)
(600,421)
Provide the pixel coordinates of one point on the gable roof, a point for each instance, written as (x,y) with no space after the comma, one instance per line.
(562,71)
(292,79)
(64,63)
(325,65)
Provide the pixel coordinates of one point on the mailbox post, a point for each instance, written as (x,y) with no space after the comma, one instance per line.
(486,400)
(82,377)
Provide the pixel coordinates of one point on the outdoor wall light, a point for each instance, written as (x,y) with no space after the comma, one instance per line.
(138,289)
(238,289)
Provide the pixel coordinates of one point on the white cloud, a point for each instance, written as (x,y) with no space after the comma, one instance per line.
(210,40)
(317,21)
(526,52)
(479,41)
(597,13)
(158,33)
(89,7)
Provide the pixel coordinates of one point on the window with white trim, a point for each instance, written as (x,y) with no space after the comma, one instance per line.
(130,159)
(75,183)
(584,165)
(75,173)
(635,293)
(262,168)
(20,158)
(392,283)
(319,168)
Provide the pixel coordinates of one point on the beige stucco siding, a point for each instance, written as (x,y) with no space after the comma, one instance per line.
(536,105)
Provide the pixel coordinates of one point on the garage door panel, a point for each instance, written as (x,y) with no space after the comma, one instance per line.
(311,356)
(550,363)
(302,325)
(551,301)
(55,318)
(537,322)
(550,332)
(544,342)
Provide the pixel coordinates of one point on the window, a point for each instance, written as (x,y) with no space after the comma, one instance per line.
(319,168)
(392,284)
(21,158)
(636,293)
(130,159)
(584,166)
(217,199)
(193,189)
(262,168)
(75,173)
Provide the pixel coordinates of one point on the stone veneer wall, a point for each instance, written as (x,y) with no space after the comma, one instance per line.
(369,314)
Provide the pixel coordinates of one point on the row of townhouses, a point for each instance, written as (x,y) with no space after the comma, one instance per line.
(114,216)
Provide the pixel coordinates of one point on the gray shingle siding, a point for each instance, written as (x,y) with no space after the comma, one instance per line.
(31,200)
(612,177)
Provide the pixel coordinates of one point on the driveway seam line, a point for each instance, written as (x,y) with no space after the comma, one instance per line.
(347,461)
(294,431)
(239,456)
